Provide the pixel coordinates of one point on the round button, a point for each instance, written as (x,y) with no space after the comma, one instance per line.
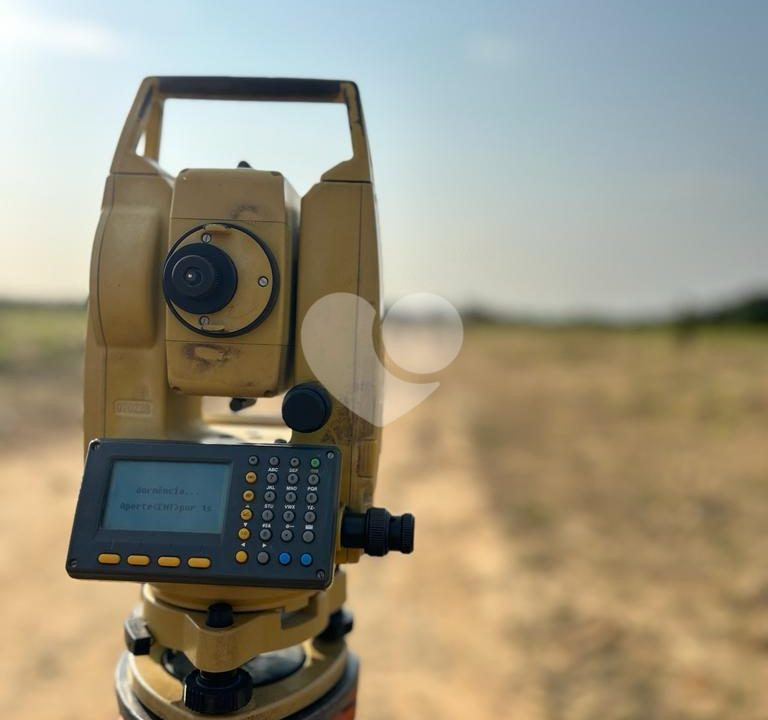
(241,556)
(305,559)
(311,498)
(284,558)
(267,515)
(274,461)
(265,534)
(272,477)
(270,496)
(250,477)
(262,558)
(313,478)
(293,478)
(248,495)
(246,514)
(243,533)
(253,460)
(308,536)
(290,496)
(286,536)
(295,462)
(288,515)
(315,463)
(309,516)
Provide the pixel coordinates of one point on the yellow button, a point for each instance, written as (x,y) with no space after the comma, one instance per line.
(138,559)
(248,495)
(168,561)
(250,477)
(109,559)
(243,533)
(241,556)
(199,562)
(246,514)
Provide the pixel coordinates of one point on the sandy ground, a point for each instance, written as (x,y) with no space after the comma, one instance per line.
(591,541)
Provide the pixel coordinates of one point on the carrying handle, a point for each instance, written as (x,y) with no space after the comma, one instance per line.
(146,115)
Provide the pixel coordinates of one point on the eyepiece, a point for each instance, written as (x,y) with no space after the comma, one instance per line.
(199,278)
(194,276)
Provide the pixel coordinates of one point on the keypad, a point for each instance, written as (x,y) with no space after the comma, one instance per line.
(286,510)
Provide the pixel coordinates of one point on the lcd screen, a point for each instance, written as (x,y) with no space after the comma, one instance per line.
(164,496)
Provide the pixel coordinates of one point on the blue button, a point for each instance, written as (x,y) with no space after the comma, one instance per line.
(306,559)
(284,558)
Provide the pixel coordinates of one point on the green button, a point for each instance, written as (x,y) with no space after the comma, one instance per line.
(315,462)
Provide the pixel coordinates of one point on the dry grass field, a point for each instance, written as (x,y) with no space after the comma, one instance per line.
(592,533)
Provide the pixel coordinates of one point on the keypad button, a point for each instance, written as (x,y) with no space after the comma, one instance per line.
(290,497)
(265,534)
(308,536)
(248,495)
(168,561)
(305,559)
(199,562)
(269,496)
(313,478)
(138,559)
(246,514)
(109,559)
(250,477)
(284,558)
(243,533)
(267,515)
(241,556)
(311,498)
(293,478)
(309,516)
(262,558)
(274,461)
(271,477)
(286,536)
(289,515)
(315,463)
(295,462)
(253,460)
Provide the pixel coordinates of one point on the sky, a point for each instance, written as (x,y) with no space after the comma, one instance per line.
(549,157)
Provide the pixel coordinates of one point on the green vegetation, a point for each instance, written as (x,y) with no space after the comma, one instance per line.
(40,338)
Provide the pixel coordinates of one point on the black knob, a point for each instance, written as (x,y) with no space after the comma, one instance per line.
(217,693)
(377,532)
(138,639)
(306,407)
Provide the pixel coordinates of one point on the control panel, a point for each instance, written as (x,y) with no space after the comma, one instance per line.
(231,514)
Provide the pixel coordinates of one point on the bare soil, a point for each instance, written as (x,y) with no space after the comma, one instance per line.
(592,536)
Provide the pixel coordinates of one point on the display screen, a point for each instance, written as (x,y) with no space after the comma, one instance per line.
(164,496)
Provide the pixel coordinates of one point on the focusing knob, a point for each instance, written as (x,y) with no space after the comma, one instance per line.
(377,532)
(306,407)
(217,693)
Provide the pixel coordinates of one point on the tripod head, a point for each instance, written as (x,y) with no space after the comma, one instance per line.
(199,287)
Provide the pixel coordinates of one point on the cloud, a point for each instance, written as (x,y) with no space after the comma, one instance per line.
(24,29)
(491,49)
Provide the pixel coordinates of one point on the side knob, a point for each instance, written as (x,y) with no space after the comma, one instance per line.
(306,407)
(377,532)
